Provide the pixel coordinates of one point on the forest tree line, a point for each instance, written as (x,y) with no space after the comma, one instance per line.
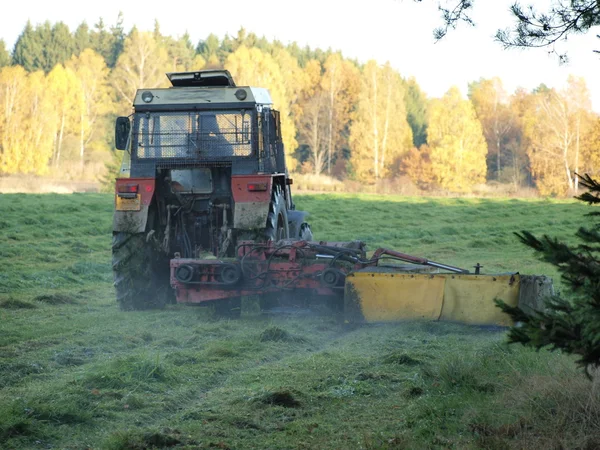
(60,92)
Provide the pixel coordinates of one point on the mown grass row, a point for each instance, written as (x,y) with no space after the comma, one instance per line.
(75,372)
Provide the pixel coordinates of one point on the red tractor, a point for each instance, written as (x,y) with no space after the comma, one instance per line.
(204,170)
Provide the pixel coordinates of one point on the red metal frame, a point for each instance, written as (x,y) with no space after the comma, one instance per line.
(268,267)
(284,265)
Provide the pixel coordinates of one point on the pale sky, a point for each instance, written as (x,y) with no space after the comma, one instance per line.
(398,31)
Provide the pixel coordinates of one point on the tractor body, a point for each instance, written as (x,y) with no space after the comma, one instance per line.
(204,168)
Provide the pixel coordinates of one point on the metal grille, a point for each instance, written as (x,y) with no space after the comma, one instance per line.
(194,135)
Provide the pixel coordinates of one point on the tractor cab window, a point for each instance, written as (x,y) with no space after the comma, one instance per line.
(194,135)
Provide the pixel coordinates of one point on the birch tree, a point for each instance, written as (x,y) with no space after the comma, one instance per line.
(380,134)
(253,67)
(554,130)
(38,124)
(456,142)
(491,105)
(12,97)
(65,88)
(141,65)
(340,84)
(95,99)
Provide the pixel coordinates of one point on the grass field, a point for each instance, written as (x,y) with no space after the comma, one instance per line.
(77,373)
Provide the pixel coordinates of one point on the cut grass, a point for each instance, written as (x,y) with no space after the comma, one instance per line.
(75,372)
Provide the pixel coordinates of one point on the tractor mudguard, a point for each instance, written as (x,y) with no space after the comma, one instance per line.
(251,196)
(132,202)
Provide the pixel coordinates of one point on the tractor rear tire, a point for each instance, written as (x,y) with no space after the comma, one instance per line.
(277,227)
(141,273)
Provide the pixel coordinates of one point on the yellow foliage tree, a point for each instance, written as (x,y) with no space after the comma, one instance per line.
(12,102)
(95,101)
(38,124)
(340,85)
(27,121)
(555,126)
(493,111)
(67,92)
(380,135)
(253,67)
(141,65)
(456,142)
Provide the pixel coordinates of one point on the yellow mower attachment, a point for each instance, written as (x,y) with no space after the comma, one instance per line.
(389,293)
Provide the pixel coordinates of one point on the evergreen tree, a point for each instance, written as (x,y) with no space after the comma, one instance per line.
(81,38)
(118,41)
(208,48)
(44,46)
(108,43)
(27,49)
(571,325)
(416,111)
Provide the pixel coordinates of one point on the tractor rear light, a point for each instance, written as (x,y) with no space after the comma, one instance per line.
(257,187)
(127,189)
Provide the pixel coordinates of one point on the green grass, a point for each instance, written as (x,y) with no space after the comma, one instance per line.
(75,372)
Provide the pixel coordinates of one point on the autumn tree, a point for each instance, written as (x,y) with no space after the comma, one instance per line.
(516,144)
(141,65)
(95,99)
(418,167)
(491,106)
(65,88)
(340,85)
(26,121)
(590,144)
(379,134)
(38,124)
(254,67)
(4,55)
(12,99)
(554,130)
(457,144)
(578,97)
(312,129)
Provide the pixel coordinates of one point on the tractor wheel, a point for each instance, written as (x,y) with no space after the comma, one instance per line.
(141,273)
(277,222)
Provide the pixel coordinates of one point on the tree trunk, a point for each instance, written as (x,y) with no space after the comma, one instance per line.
(566,160)
(375,131)
(315,142)
(577,130)
(331,103)
(81,143)
(387,121)
(60,139)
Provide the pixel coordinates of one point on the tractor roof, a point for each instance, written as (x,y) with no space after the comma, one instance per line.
(202,78)
(204,88)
